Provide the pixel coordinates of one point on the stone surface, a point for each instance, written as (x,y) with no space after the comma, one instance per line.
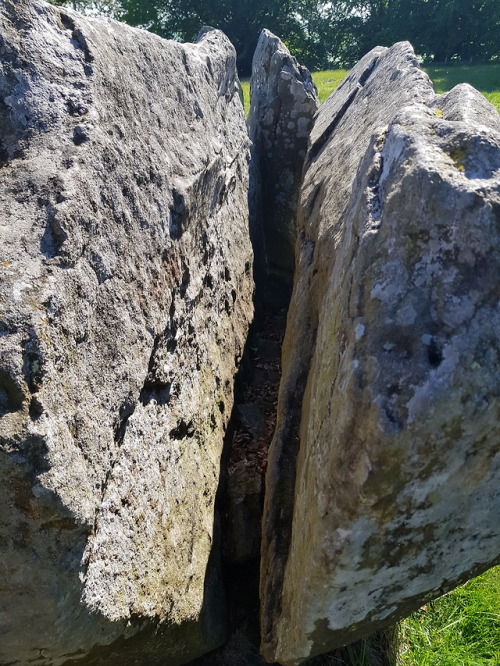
(243,505)
(125,298)
(249,438)
(283,103)
(383,482)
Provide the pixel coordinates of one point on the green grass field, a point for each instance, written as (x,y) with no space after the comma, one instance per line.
(461,628)
(486,78)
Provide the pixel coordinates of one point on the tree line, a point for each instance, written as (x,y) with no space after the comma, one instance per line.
(320,34)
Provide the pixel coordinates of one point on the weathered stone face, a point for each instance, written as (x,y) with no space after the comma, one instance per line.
(283,103)
(391,358)
(125,297)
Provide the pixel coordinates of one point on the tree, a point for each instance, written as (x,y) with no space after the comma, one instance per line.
(92,7)
(439,29)
(465,30)
(240,20)
(322,34)
(328,34)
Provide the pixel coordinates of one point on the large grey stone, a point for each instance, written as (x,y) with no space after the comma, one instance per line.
(383,482)
(283,103)
(125,297)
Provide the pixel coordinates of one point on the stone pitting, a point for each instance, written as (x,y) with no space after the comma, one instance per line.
(283,101)
(125,298)
(390,360)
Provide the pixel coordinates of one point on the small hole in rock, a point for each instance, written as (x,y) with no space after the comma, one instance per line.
(11,396)
(434,354)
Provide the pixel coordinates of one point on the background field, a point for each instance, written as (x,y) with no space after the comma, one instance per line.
(461,628)
(486,78)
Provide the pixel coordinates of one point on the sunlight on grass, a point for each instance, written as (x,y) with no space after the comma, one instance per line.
(486,78)
(245,86)
(494,98)
(462,628)
(327,81)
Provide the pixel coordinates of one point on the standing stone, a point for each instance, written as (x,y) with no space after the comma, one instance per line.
(384,477)
(283,103)
(125,298)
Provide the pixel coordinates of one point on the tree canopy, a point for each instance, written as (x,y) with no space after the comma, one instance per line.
(323,34)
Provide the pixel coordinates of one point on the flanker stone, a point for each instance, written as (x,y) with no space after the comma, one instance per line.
(283,103)
(125,298)
(384,478)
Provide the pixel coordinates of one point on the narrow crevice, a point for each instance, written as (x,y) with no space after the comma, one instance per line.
(126,411)
(281,507)
(374,195)
(368,72)
(240,496)
(321,141)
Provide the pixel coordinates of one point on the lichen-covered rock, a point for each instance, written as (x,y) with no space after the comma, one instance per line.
(283,103)
(384,478)
(125,298)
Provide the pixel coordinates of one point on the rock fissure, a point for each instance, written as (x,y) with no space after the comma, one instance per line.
(374,195)
(357,448)
(319,143)
(253,420)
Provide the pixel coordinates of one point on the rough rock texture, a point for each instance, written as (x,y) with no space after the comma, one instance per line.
(125,297)
(243,504)
(391,390)
(283,103)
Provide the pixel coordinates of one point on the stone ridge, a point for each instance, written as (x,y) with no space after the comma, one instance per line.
(283,104)
(389,494)
(125,298)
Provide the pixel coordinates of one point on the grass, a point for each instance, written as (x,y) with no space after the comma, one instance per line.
(327,81)
(486,78)
(462,628)
(245,87)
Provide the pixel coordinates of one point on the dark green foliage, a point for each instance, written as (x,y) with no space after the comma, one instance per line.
(325,34)
(442,30)
(241,20)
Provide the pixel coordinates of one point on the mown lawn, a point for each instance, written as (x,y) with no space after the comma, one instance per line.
(486,78)
(462,628)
